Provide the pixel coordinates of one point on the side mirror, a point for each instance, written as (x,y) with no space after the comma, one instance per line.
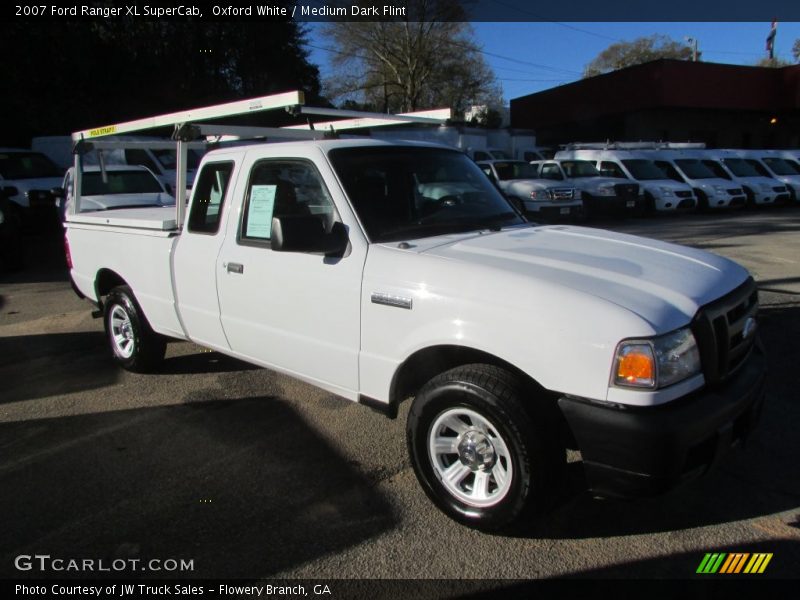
(307,234)
(57,192)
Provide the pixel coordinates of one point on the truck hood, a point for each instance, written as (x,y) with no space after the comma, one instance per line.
(663,283)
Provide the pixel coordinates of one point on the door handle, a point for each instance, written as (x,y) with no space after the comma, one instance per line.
(235,267)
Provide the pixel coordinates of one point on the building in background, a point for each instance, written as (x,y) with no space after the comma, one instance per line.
(670,100)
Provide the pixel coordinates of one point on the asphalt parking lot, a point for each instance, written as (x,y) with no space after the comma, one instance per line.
(256,475)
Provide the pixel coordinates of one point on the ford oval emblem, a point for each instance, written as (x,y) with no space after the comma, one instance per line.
(749,327)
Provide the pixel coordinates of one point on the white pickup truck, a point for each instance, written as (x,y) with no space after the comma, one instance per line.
(327,261)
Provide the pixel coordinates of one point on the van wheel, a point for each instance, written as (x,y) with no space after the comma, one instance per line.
(649,204)
(134,344)
(702,200)
(480,456)
(750,202)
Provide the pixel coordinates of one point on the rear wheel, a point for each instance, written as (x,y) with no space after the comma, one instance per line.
(134,344)
(480,455)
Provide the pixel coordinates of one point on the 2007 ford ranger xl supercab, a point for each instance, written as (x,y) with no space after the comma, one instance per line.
(327,261)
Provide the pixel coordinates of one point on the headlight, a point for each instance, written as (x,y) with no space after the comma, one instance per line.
(666,191)
(657,362)
(540,195)
(719,189)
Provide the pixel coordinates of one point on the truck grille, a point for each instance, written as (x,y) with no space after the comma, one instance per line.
(562,193)
(779,188)
(725,332)
(683,194)
(627,190)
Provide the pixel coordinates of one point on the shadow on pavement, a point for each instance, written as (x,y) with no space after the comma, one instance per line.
(243,488)
(203,362)
(36,366)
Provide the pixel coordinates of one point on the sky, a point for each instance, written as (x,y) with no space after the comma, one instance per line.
(530,57)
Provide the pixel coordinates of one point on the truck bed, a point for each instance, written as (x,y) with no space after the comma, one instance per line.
(150,218)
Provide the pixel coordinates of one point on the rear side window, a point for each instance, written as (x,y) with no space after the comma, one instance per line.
(283,188)
(210,190)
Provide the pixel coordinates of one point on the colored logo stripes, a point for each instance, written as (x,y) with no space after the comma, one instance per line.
(735,562)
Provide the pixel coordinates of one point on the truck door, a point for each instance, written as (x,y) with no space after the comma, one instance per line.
(195,257)
(298,312)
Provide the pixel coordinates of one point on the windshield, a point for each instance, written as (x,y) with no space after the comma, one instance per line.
(515,170)
(643,170)
(119,182)
(779,166)
(403,193)
(793,164)
(168,160)
(740,167)
(27,165)
(579,168)
(694,169)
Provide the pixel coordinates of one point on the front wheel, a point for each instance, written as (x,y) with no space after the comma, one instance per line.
(480,455)
(134,344)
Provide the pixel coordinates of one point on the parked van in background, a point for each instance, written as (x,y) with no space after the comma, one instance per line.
(711,191)
(660,193)
(758,189)
(162,162)
(771,163)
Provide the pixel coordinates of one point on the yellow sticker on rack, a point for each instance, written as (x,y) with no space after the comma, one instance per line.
(102,131)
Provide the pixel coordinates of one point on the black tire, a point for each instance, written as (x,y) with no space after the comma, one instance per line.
(133,343)
(649,208)
(750,202)
(702,201)
(519,470)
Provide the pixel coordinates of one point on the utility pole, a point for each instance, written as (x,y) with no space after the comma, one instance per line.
(692,41)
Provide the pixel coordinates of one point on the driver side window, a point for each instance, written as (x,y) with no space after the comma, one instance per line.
(283,188)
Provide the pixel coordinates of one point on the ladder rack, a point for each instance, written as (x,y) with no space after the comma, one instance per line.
(189,130)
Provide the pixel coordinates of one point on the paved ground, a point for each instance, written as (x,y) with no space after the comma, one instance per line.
(253,474)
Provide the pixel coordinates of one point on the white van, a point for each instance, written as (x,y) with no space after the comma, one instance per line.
(661,193)
(711,190)
(161,162)
(771,163)
(759,189)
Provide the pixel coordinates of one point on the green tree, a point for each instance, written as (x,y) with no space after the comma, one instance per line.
(426,60)
(638,51)
(73,75)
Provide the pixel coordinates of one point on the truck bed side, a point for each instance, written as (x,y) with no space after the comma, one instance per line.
(127,247)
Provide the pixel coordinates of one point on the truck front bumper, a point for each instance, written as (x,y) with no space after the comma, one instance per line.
(646,451)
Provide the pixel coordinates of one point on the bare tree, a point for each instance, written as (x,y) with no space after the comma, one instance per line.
(772,62)
(428,59)
(796,50)
(638,51)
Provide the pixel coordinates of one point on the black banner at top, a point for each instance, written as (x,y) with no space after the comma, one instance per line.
(386,10)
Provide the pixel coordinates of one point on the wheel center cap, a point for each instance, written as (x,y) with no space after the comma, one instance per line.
(476,451)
